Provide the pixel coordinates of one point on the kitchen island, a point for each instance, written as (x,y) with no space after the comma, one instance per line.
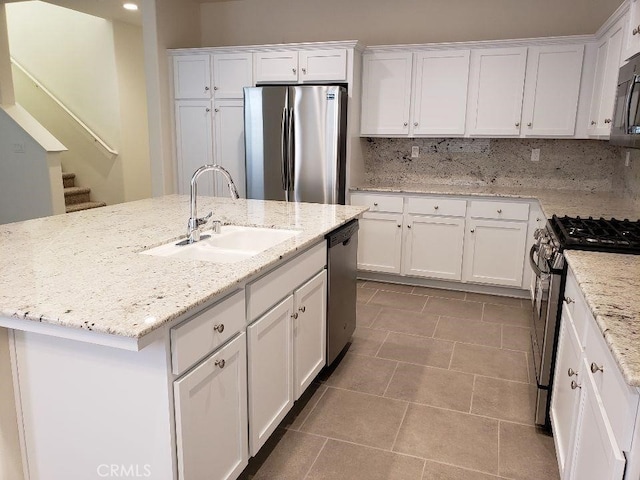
(95,328)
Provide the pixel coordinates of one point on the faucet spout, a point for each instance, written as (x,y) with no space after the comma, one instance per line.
(193,227)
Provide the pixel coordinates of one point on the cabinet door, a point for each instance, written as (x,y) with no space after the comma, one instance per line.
(565,396)
(194,143)
(380,242)
(495,91)
(440,95)
(632,34)
(309,331)
(277,67)
(386,93)
(494,252)
(211,415)
(229,142)
(231,73)
(606,81)
(597,453)
(192,76)
(434,247)
(551,90)
(270,353)
(323,65)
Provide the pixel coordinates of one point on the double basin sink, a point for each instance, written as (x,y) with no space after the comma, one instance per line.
(233,244)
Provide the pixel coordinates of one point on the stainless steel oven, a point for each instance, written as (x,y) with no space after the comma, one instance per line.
(625,129)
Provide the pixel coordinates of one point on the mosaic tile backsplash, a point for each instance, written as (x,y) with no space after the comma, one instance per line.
(564,164)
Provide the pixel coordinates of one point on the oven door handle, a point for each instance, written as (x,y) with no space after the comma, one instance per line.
(627,105)
(534,264)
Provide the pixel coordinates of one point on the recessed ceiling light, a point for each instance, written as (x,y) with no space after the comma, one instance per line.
(130,6)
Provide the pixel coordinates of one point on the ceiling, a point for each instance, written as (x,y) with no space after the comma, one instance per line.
(109,9)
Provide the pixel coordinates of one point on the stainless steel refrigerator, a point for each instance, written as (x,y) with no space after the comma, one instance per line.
(295,143)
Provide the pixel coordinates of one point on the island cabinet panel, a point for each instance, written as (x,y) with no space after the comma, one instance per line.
(211,415)
(270,367)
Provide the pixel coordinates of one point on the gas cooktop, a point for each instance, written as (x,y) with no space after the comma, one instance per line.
(601,235)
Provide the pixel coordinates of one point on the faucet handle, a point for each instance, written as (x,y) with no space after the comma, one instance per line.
(203,220)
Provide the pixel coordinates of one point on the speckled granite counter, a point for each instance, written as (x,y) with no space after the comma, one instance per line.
(558,202)
(84,270)
(611,286)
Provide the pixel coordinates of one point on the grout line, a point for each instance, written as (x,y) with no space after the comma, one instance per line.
(400,427)
(473,393)
(381,345)
(502,336)
(390,378)
(374,318)
(312,409)
(424,468)
(426,302)
(499,424)
(453,349)
(316,459)
(380,449)
(435,329)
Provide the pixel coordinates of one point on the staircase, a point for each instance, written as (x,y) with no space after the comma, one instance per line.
(77,198)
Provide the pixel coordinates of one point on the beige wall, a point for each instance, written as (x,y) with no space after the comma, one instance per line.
(376,22)
(10,459)
(166,24)
(6,82)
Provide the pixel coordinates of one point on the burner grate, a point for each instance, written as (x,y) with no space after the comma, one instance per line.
(622,236)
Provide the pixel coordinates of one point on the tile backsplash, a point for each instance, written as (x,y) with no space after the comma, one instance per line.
(564,164)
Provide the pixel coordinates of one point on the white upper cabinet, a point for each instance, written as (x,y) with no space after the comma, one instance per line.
(496,90)
(606,80)
(632,36)
(323,65)
(440,94)
(192,76)
(386,93)
(551,90)
(231,73)
(280,66)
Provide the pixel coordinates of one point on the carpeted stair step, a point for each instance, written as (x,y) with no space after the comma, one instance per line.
(76,207)
(75,195)
(68,180)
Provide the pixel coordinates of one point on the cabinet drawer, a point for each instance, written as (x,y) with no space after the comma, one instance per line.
(620,401)
(277,284)
(378,203)
(436,206)
(577,307)
(201,334)
(499,210)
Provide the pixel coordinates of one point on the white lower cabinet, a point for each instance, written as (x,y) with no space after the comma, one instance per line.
(270,372)
(434,247)
(494,252)
(211,415)
(380,242)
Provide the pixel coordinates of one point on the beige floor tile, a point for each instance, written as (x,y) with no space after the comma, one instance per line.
(413,349)
(390,287)
(365,294)
(516,338)
(440,471)
(366,314)
(506,314)
(494,299)
(432,386)
(287,455)
(526,453)
(469,331)
(404,301)
(340,460)
(362,374)
(356,417)
(302,408)
(367,341)
(490,362)
(454,308)
(404,321)
(360,283)
(451,437)
(438,292)
(505,400)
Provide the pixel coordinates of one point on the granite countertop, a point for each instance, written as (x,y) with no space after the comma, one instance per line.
(84,270)
(611,285)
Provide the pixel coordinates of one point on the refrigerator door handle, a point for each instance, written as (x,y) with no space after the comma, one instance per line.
(292,152)
(284,147)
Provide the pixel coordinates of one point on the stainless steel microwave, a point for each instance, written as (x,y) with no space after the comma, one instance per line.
(625,128)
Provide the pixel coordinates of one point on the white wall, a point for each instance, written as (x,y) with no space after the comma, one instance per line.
(376,22)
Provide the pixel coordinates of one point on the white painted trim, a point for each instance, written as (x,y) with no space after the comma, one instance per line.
(354,44)
(44,89)
(18,401)
(620,12)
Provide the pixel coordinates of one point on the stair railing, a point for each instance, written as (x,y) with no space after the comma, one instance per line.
(92,134)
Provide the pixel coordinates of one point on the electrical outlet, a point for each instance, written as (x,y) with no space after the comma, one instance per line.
(535,154)
(627,159)
(415,152)
(19,148)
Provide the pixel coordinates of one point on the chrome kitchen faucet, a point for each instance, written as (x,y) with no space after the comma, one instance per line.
(193,228)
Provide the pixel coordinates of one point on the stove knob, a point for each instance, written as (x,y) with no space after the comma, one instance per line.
(546,251)
(539,232)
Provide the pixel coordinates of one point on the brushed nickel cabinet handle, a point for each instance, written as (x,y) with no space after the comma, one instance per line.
(302,309)
(375,204)
(607,120)
(215,88)
(406,124)
(415,124)
(219,327)
(206,89)
(295,315)
(436,207)
(571,372)
(207,110)
(517,124)
(529,124)
(636,30)
(595,368)
(220,363)
(473,230)
(294,70)
(216,110)
(304,71)
(399,226)
(409,226)
(568,300)
(575,385)
(499,210)
(593,122)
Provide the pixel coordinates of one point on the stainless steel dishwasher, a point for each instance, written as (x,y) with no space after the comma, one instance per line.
(342,249)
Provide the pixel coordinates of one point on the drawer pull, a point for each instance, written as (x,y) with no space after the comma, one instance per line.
(375,204)
(472,230)
(595,368)
(399,226)
(436,207)
(499,210)
(295,315)
(568,300)
(219,328)
(206,89)
(302,309)
(571,372)
(574,385)
(593,122)
(220,363)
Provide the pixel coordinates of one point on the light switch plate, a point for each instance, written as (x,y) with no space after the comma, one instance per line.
(535,154)
(415,152)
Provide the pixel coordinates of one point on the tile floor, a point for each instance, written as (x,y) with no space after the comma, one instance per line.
(435,386)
